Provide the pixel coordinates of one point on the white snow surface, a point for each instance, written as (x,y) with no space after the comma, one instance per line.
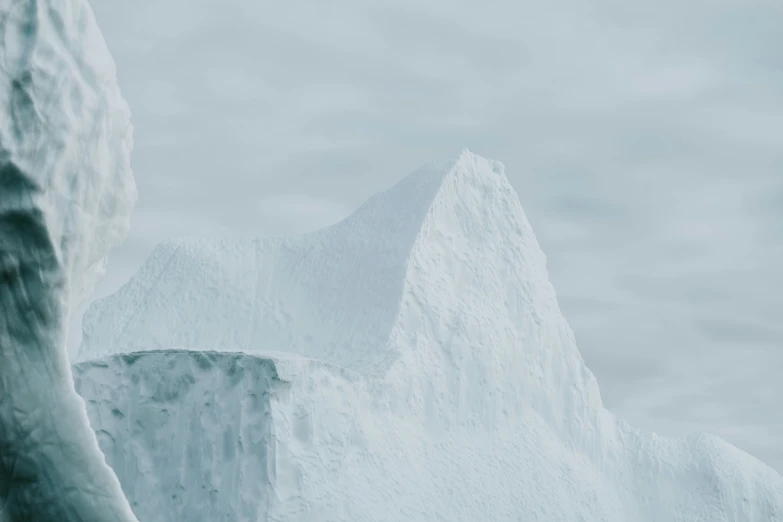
(66,194)
(408,363)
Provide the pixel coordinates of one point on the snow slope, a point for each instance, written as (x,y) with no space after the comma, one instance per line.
(66,193)
(407,363)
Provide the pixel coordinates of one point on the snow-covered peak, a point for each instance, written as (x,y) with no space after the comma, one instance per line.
(333,294)
(441,271)
(409,362)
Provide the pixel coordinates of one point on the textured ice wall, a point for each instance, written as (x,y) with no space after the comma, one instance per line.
(424,372)
(187,433)
(66,193)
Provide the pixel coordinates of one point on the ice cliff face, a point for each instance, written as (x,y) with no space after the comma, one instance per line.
(407,363)
(66,193)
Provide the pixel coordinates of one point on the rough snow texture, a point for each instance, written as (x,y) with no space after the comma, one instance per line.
(408,363)
(66,193)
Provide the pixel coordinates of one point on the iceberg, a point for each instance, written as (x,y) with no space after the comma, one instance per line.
(66,194)
(410,362)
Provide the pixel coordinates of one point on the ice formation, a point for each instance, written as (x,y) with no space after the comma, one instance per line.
(66,194)
(408,363)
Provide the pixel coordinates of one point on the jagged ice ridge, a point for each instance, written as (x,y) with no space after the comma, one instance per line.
(408,363)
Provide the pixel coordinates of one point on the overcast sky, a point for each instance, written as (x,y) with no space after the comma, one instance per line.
(645,140)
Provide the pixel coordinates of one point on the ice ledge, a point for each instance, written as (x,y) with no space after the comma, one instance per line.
(283,367)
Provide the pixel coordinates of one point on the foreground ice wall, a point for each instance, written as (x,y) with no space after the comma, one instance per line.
(409,363)
(66,193)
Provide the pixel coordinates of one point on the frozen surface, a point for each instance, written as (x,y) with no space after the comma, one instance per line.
(187,432)
(66,193)
(408,363)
